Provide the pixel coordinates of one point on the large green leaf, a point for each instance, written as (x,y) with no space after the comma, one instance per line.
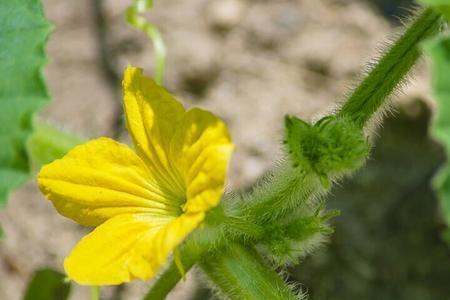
(24,31)
(47,284)
(439,52)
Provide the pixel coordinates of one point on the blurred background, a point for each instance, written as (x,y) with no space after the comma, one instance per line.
(251,62)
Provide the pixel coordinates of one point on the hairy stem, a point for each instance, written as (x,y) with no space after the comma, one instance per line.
(323,156)
(189,254)
(212,235)
(391,69)
(284,190)
(240,273)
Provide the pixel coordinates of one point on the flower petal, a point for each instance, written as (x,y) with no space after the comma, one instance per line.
(202,148)
(128,247)
(188,150)
(152,116)
(101,179)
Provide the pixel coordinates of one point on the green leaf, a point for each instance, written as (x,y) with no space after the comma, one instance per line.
(47,284)
(24,31)
(439,52)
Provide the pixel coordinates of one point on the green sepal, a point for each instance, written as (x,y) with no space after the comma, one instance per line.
(333,145)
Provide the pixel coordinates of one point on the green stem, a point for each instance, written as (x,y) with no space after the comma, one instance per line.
(241,273)
(391,69)
(189,255)
(95,293)
(214,232)
(134,19)
(288,188)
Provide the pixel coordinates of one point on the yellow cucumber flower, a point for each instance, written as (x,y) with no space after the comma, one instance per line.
(144,201)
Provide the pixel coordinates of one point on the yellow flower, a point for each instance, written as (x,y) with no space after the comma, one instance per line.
(144,201)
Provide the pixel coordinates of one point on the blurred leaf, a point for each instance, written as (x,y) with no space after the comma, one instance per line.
(10,179)
(442,6)
(47,284)
(24,31)
(48,143)
(436,2)
(439,52)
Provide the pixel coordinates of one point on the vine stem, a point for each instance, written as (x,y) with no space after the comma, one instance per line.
(373,92)
(197,246)
(241,273)
(189,254)
(237,269)
(134,19)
